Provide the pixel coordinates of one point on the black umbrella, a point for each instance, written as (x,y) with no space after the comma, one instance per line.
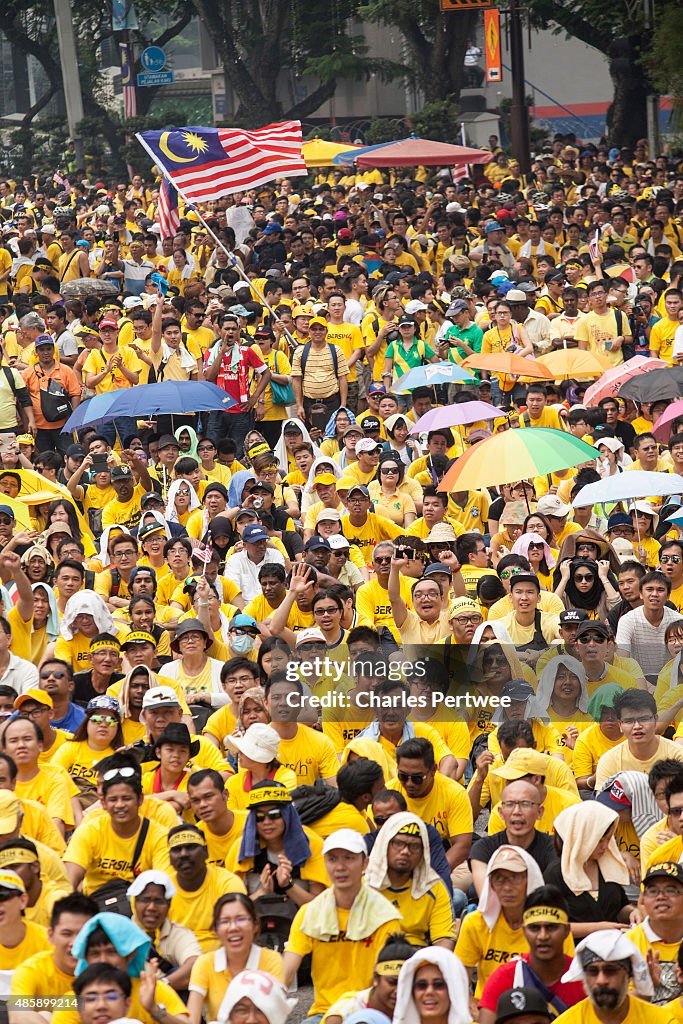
(655,386)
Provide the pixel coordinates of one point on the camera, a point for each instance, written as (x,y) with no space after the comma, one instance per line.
(406,552)
(393,336)
(258,503)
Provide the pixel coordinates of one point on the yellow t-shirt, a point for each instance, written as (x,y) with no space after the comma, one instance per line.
(114,380)
(598,330)
(34,941)
(39,975)
(52,788)
(339,964)
(194,910)
(219,846)
(590,745)
(310,755)
(374,608)
(105,857)
(41,912)
(127,513)
(79,760)
(620,759)
(446,807)
(426,920)
(238,796)
(639,1012)
(662,339)
(349,338)
(211,975)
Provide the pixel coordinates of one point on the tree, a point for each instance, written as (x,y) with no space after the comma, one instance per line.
(437,42)
(259,40)
(617,29)
(664,61)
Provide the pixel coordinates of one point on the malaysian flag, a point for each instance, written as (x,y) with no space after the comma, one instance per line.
(167,211)
(207,163)
(130,107)
(594,247)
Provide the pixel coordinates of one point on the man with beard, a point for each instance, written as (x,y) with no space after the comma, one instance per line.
(609,965)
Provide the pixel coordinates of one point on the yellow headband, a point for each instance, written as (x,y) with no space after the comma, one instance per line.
(389,968)
(16,855)
(188,837)
(411,829)
(544,915)
(269,795)
(100,645)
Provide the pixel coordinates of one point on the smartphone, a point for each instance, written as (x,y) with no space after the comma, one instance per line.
(319,418)
(99,464)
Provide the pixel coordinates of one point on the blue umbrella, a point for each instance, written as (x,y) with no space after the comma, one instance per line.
(630,486)
(170,397)
(431,374)
(349,156)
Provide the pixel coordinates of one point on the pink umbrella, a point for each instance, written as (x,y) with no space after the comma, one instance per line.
(661,428)
(608,385)
(456,415)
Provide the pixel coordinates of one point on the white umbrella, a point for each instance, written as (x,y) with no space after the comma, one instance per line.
(629,486)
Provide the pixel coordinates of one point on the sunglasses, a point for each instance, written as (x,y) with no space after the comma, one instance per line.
(103,720)
(124,773)
(274,814)
(507,573)
(592,639)
(584,578)
(416,777)
(54,674)
(673,559)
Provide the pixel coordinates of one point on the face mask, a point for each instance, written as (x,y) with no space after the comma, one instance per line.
(242,644)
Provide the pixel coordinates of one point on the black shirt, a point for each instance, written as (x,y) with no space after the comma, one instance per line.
(611,898)
(84,690)
(541,849)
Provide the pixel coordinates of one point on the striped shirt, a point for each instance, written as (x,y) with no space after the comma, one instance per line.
(319,380)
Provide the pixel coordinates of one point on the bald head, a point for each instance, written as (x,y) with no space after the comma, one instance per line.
(521,810)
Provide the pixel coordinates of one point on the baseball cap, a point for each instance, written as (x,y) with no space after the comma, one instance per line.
(457,307)
(614,796)
(10,881)
(7,511)
(329,515)
(39,696)
(527,287)
(518,1002)
(491,227)
(353,428)
(131,301)
(320,320)
(573,615)
(43,340)
(108,321)
(149,497)
(667,869)
(594,626)
(437,567)
(121,473)
(619,519)
(415,306)
(316,544)
(160,697)
(10,806)
(358,487)
(254,533)
(345,839)
(337,542)
(263,485)
(306,636)
(324,478)
(518,689)
(370,423)
(405,319)
(507,858)
(552,505)
(240,514)
(522,761)
(168,441)
(366,444)
(273,228)
(76,451)
(377,388)
(148,529)
(243,621)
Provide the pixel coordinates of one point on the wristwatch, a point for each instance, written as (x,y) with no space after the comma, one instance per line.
(159,1011)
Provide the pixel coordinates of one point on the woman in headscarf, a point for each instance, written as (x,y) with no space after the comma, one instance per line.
(340,419)
(258,762)
(181,502)
(277,855)
(433,989)
(237,484)
(496,925)
(585,584)
(251,708)
(541,559)
(236,925)
(613,458)
(598,738)
(398,438)
(85,615)
(45,621)
(587,543)
(562,697)
(591,873)
(492,661)
(187,441)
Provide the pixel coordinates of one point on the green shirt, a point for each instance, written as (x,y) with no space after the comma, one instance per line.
(405,359)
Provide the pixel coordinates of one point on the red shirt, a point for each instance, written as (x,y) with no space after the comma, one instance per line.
(503,979)
(236,382)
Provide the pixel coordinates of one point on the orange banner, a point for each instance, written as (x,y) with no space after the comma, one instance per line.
(494,67)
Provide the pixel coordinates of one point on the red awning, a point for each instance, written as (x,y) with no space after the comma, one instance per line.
(413,152)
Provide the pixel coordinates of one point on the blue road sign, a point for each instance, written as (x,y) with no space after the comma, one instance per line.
(155,78)
(153,59)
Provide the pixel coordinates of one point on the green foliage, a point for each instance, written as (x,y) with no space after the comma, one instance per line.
(385,129)
(438,120)
(664,64)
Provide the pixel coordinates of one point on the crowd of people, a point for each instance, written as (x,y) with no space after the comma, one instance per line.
(287,725)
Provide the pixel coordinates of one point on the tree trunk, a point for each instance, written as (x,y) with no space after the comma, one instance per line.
(627,114)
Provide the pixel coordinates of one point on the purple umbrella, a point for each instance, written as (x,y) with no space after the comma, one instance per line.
(456,416)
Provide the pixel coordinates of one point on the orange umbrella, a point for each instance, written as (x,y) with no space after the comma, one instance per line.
(573,364)
(509,364)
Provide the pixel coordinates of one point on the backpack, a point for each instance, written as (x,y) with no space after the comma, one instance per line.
(306,352)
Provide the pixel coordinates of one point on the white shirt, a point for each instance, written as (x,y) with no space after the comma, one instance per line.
(244,573)
(20,674)
(644,642)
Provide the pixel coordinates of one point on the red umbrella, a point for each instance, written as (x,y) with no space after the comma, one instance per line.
(413,152)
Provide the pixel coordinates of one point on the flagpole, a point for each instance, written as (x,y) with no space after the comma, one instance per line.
(236,264)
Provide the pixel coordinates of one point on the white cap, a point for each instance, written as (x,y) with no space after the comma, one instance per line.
(552,505)
(453,208)
(47,228)
(345,839)
(161,697)
(263,990)
(337,542)
(152,878)
(329,515)
(259,743)
(132,301)
(415,306)
(304,636)
(623,548)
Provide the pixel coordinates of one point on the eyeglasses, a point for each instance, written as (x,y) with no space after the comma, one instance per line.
(126,772)
(423,984)
(505,574)
(8,895)
(664,890)
(641,720)
(674,559)
(524,805)
(36,712)
(325,611)
(153,901)
(468,620)
(675,812)
(416,777)
(103,720)
(383,561)
(533,547)
(235,922)
(205,448)
(274,814)
(91,998)
(412,846)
